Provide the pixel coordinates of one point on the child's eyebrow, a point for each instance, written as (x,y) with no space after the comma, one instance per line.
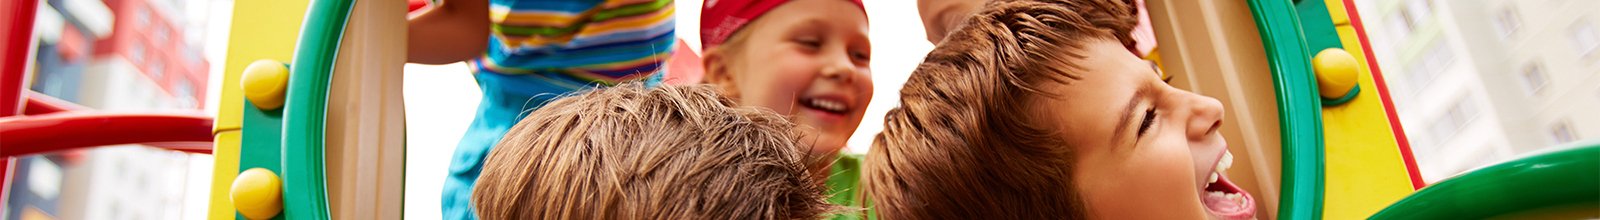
(1127,112)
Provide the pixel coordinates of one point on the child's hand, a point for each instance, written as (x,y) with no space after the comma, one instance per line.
(454,31)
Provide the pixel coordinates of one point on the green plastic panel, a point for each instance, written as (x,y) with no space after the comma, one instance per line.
(1570,176)
(305,110)
(1299,108)
(1317,25)
(259,143)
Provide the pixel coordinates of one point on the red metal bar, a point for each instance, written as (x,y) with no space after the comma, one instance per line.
(39,104)
(16,46)
(198,147)
(72,130)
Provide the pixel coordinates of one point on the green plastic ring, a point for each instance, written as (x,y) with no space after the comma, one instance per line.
(1350,95)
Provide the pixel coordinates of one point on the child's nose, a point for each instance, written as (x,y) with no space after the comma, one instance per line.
(1206,118)
(839,67)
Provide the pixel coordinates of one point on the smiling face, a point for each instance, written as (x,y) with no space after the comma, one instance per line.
(1145,150)
(799,61)
(1035,110)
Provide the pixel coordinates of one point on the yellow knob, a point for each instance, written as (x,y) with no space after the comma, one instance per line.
(264,83)
(1336,72)
(257,194)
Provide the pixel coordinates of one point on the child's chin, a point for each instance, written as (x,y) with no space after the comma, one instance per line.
(828,145)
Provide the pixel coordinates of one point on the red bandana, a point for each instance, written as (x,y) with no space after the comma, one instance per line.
(720,18)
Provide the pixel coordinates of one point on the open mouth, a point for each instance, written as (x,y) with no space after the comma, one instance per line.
(826,105)
(1222,198)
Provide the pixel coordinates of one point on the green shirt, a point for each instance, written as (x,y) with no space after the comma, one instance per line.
(844,184)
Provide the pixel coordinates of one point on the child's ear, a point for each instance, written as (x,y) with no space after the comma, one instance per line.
(716,64)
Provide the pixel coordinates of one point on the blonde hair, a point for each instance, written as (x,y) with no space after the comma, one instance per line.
(963,144)
(627,152)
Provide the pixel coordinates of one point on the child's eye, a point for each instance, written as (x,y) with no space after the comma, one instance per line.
(809,43)
(1149,118)
(861,56)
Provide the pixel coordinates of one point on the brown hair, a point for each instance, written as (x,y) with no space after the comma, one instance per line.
(964,143)
(627,152)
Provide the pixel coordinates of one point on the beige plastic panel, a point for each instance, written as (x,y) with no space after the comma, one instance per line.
(1212,47)
(366,118)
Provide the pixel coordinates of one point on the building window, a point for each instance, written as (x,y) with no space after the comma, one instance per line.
(1425,68)
(1533,78)
(1585,38)
(1453,119)
(136,53)
(1561,132)
(158,69)
(1400,27)
(1419,77)
(141,17)
(184,93)
(159,35)
(1419,11)
(1507,23)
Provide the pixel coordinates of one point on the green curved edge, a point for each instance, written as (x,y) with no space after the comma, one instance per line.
(1562,177)
(304,181)
(1299,108)
(1348,95)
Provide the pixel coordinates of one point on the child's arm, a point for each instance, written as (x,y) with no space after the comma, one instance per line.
(455,30)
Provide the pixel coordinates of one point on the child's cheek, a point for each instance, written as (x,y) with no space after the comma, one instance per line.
(864,94)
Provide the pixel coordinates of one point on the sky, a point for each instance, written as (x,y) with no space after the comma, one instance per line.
(440,99)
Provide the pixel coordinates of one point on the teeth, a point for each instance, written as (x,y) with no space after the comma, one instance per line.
(829,105)
(1238,199)
(1213,179)
(1227,161)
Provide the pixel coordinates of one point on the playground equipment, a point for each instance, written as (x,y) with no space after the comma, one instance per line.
(328,126)
(321,136)
(1339,152)
(33,123)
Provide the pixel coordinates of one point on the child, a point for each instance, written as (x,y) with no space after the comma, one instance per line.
(523,53)
(1036,110)
(807,59)
(628,152)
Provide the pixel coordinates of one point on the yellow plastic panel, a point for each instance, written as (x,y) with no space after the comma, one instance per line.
(1365,171)
(224,169)
(261,29)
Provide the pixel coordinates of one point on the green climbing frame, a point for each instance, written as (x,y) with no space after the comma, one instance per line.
(1568,176)
(1299,108)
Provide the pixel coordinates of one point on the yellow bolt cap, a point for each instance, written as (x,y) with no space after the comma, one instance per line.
(1336,72)
(264,83)
(257,194)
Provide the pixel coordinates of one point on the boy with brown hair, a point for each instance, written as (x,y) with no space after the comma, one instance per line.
(627,152)
(1036,109)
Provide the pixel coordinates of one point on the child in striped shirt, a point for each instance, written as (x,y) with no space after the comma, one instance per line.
(524,53)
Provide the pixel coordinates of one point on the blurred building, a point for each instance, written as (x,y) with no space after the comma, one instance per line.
(1481,81)
(116,55)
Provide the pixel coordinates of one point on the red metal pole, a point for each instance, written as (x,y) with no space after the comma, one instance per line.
(16,50)
(71,130)
(38,104)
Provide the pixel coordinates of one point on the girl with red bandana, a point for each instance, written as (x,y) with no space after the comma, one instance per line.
(807,59)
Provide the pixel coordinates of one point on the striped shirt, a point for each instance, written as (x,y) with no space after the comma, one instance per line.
(540,50)
(601,41)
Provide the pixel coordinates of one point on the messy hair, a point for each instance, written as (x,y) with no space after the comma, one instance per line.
(963,144)
(628,152)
